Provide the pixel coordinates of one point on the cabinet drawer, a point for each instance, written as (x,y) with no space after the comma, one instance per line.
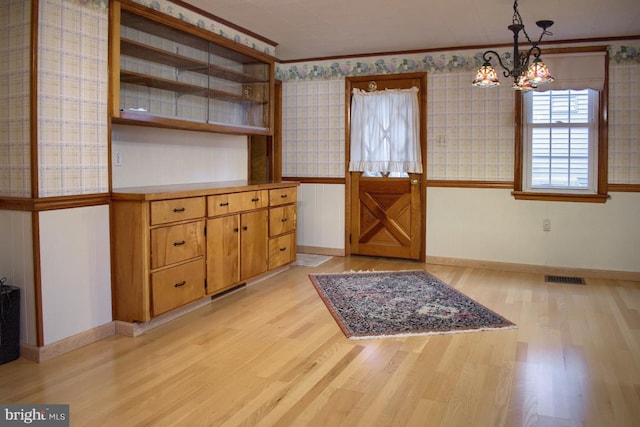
(177,243)
(222,204)
(282,196)
(177,286)
(282,220)
(165,211)
(282,250)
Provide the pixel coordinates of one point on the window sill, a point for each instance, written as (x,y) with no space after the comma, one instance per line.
(560,197)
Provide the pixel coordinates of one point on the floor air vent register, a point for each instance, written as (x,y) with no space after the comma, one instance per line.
(564,279)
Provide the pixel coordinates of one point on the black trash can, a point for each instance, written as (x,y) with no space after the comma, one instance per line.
(9,323)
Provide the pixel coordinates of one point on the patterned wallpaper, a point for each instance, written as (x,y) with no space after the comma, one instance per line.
(15,150)
(313,128)
(72,98)
(624,124)
(469,130)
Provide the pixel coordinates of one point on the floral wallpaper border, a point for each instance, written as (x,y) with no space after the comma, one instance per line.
(94,4)
(190,17)
(440,63)
(193,18)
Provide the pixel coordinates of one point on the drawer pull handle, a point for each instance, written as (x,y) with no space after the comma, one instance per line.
(224,204)
(283,196)
(255,199)
(178,285)
(283,249)
(236,229)
(245,228)
(182,242)
(284,220)
(177,210)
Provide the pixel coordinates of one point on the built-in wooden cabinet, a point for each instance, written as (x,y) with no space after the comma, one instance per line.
(169,73)
(175,244)
(282,226)
(237,239)
(172,245)
(249,233)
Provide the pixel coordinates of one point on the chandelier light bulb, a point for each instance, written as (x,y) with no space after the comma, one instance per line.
(538,73)
(523,84)
(486,76)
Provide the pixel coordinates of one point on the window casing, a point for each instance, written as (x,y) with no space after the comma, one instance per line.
(532,159)
(560,135)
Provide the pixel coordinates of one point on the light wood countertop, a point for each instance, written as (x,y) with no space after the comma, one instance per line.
(172,191)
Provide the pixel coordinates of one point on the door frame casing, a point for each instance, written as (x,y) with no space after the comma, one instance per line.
(422,101)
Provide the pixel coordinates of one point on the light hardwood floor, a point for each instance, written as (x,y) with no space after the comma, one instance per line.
(271,354)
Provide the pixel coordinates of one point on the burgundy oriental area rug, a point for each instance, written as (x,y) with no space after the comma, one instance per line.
(376,304)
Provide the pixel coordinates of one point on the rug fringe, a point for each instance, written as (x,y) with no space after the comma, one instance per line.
(421,334)
(368,271)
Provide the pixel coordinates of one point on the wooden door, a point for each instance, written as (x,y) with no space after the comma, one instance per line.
(386,216)
(253,243)
(223,252)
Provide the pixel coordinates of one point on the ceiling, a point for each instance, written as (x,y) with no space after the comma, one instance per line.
(307,29)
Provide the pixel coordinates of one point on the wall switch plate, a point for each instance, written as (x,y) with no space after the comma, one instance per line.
(118,158)
(546,224)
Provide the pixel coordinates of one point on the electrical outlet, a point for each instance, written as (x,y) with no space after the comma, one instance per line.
(118,158)
(546,224)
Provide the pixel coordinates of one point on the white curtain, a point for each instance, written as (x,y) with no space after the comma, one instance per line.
(385,131)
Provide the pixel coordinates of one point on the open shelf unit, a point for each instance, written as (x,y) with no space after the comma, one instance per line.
(169,73)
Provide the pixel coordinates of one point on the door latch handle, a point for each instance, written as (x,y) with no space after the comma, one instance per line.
(414,182)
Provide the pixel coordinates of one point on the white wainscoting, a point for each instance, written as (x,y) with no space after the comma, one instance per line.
(490,225)
(76,273)
(16,264)
(321,216)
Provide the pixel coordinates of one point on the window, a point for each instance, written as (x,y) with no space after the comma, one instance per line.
(560,136)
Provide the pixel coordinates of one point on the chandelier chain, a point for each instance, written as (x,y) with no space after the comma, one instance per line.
(517,19)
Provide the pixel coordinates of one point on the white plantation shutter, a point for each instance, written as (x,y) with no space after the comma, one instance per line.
(561,135)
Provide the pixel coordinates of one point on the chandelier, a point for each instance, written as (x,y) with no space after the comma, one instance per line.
(526,75)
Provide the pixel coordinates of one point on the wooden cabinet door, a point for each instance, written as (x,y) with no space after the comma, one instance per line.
(282,250)
(176,243)
(177,286)
(223,252)
(282,220)
(253,243)
(283,196)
